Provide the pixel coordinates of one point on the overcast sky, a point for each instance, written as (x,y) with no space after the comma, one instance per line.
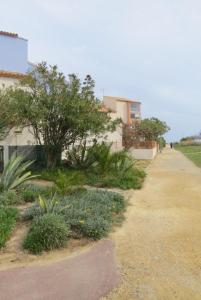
(148,50)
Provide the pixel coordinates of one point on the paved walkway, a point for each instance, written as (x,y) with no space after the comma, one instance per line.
(159,245)
(85,277)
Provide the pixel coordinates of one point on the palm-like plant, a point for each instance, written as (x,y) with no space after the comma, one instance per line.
(47,206)
(50,206)
(15,173)
(116,162)
(81,156)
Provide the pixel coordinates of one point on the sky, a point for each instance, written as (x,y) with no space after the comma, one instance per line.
(149,50)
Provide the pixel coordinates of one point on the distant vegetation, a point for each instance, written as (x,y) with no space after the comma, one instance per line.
(193,152)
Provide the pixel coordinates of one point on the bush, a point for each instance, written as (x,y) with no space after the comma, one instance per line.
(8,218)
(81,156)
(108,161)
(47,232)
(132,179)
(92,213)
(30,192)
(88,213)
(10,197)
(15,173)
(66,182)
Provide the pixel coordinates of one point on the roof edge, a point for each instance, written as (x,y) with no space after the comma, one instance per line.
(122,99)
(9,74)
(11,35)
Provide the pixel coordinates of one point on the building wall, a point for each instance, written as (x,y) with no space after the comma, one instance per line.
(6,82)
(113,137)
(15,139)
(143,153)
(122,111)
(123,108)
(110,102)
(13,54)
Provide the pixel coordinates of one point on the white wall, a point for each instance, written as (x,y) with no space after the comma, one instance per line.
(26,136)
(4,81)
(19,139)
(143,153)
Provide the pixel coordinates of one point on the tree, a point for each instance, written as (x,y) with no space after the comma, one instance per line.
(60,110)
(152,129)
(5,118)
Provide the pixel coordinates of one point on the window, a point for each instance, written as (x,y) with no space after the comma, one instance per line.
(134,107)
(132,115)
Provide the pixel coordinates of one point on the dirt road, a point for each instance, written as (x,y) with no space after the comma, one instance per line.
(159,245)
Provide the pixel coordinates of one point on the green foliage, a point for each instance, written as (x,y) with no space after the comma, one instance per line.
(61,110)
(76,177)
(151,129)
(10,197)
(113,162)
(133,179)
(28,195)
(8,218)
(67,182)
(88,213)
(31,192)
(47,206)
(15,173)
(161,142)
(6,120)
(192,152)
(47,232)
(92,213)
(114,169)
(110,169)
(81,156)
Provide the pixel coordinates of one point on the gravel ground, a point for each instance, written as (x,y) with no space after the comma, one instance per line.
(159,246)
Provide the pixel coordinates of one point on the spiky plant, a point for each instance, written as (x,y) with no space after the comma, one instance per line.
(116,162)
(47,206)
(15,173)
(81,156)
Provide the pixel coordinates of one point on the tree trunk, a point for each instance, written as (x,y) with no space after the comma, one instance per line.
(53,154)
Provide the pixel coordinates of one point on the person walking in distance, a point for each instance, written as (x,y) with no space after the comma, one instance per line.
(171,145)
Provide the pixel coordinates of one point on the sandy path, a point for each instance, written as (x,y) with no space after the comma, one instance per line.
(159,245)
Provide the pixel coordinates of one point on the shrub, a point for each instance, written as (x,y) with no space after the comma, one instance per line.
(132,179)
(92,213)
(15,173)
(30,192)
(28,195)
(81,156)
(88,213)
(8,218)
(47,232)
(66,182)
(108,161)
(47,206)
(95,228)
(10,197)
(50,205)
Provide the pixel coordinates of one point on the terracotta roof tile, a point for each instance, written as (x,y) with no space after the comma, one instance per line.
(8,74)
(123,99)
(10,34)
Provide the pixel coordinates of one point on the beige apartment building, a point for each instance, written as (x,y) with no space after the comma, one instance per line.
(127,109)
